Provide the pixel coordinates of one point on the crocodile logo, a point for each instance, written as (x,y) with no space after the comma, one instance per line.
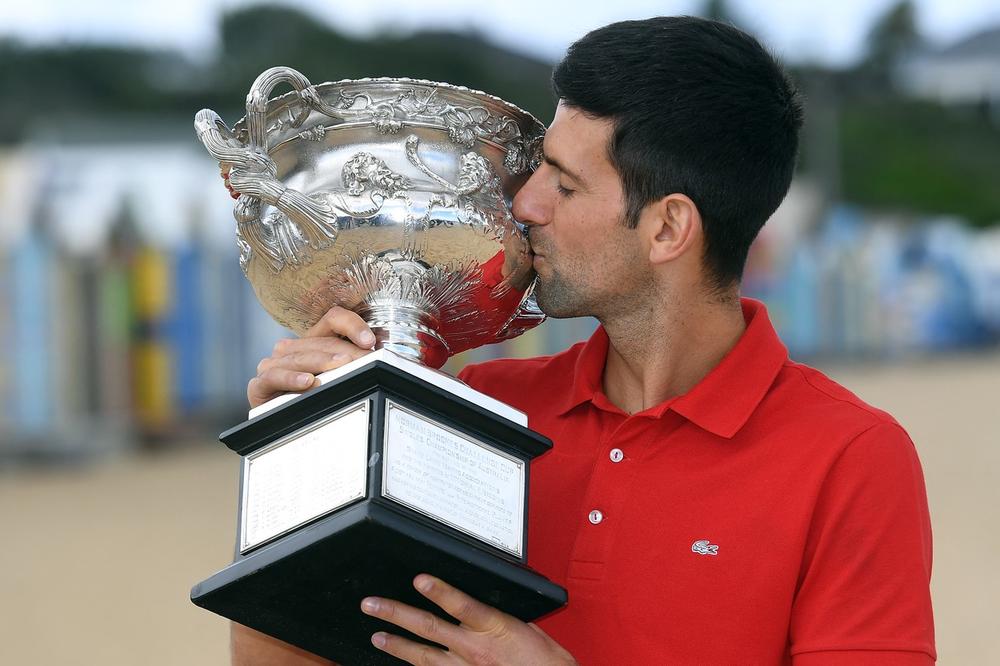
(703,547)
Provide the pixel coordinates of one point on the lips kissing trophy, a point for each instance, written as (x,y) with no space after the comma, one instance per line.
(391,198)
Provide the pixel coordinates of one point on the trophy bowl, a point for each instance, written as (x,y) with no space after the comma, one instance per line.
(386,196)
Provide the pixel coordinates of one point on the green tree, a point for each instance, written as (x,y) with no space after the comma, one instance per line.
(893,35)
(256,38)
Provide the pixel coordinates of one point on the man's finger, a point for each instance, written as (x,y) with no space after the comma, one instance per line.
(313,362)
(471,613)
(417,654)
(275,381)
(340,321)
(423,624)
(328,344)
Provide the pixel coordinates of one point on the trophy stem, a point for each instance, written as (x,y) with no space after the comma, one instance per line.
(406,331)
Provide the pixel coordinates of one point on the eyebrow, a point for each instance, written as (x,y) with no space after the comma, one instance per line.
(551,161)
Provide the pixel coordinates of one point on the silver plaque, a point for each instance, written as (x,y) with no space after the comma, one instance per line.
(304,476)
(461,482)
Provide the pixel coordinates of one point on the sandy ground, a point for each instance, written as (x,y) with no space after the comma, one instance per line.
(96,563)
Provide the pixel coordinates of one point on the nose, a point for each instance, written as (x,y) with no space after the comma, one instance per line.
(530,205)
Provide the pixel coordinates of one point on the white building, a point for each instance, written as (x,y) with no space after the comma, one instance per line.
(967,72)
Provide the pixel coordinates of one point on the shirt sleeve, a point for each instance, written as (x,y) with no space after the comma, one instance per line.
(470,375)
(863,594)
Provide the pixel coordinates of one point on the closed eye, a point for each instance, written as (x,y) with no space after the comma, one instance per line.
(564,191)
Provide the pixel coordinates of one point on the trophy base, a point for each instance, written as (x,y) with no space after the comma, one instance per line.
(402,471)
(307,589)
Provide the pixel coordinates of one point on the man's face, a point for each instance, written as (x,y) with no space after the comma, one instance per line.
(588,262)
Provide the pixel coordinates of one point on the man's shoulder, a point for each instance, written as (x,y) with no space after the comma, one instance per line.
(512,380)
(810,396)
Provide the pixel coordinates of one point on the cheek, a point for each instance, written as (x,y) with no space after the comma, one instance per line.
(585,219)
(572,231)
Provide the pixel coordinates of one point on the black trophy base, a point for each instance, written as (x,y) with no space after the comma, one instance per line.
(291,589)
(305,587)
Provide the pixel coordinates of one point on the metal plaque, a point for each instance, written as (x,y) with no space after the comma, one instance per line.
(304,475)
(461,482)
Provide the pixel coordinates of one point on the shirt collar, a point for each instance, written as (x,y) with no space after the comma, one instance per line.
(722,401)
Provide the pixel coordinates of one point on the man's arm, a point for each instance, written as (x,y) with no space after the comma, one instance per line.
(252,648)
(863,594)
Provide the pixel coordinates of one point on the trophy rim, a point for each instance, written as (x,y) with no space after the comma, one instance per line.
(276,103)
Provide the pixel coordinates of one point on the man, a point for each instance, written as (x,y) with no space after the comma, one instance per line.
(706,500)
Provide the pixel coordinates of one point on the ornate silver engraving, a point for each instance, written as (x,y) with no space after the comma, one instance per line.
(475,177)
(418,104)
(414,102)
(366,168)
(315,134)
(523,156)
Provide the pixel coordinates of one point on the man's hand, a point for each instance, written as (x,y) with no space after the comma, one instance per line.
(485,635)
(338,338)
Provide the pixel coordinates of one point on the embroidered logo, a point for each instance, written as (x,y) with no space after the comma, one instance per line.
(703,547)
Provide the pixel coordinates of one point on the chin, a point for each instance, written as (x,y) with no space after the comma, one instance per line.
(557,302)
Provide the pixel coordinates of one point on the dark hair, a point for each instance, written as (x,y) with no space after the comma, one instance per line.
(699,108)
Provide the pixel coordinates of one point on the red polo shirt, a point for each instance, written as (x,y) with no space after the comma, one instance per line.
(768,516)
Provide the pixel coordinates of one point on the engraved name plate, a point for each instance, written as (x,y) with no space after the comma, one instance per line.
(304,475)
(454,479)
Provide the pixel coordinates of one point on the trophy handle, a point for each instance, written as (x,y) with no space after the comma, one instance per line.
(253,174)
(260,93)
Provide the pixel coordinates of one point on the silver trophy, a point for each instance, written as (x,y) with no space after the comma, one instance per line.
(389,197)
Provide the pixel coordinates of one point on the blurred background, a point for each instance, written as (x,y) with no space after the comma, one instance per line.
(128,332)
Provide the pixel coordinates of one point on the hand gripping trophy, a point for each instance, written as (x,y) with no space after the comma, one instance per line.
(389,197)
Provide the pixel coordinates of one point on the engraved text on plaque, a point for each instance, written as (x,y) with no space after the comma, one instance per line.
(453,478)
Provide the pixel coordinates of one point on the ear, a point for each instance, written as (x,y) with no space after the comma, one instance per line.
(673,224)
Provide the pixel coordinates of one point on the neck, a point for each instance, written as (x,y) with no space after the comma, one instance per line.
(664,350)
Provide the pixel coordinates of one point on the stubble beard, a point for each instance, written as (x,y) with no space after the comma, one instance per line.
(556,294)
(559,297)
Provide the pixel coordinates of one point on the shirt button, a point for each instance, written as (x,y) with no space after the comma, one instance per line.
(617,455)
(595,516)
